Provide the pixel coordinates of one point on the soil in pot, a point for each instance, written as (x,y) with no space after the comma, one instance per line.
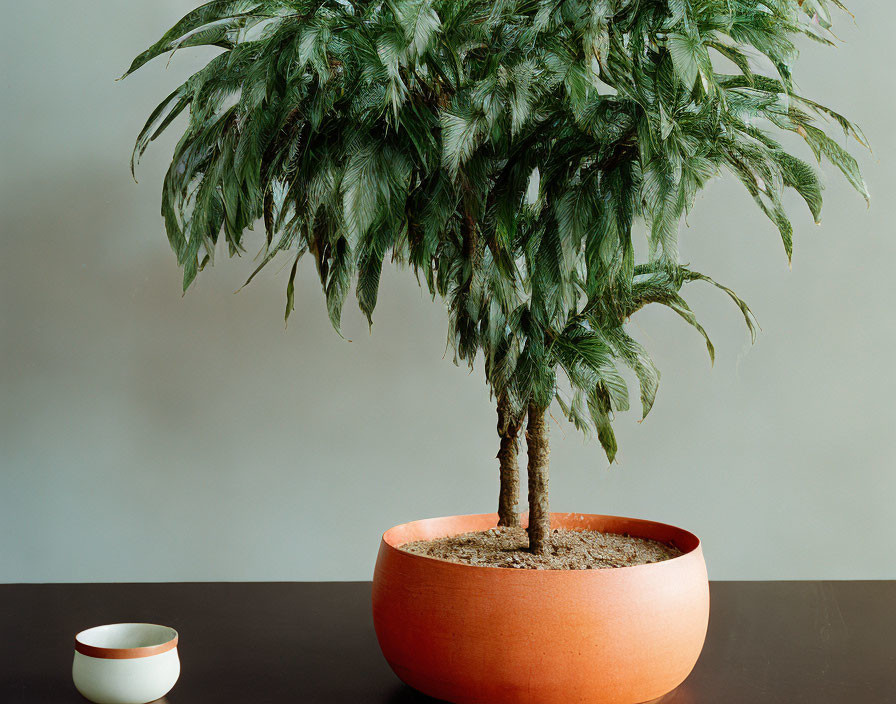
(570,550)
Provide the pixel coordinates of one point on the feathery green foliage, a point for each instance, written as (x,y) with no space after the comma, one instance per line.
(417,129)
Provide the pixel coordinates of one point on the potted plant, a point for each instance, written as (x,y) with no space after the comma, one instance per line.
(509,153)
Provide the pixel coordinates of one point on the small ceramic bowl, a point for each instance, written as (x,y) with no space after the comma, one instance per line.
(126,663)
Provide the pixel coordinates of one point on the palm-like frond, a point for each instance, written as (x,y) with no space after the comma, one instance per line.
(418,129)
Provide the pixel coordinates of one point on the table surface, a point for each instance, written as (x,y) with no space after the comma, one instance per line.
(270,643)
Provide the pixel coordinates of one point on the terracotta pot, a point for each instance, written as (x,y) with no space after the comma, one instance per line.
(490,635)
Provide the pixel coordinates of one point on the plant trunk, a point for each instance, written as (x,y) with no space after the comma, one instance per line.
(539,459)
(508,430)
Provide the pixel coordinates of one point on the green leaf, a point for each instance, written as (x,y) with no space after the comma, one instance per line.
(601,415)
(803,178)
(420,22)
(461,132)
(685,50)
(370,266)
(291,290)
(823,145)
(216,11)
(362,189)
(749,318)
(678,304)
(339,282)
(636,357)
(161,117)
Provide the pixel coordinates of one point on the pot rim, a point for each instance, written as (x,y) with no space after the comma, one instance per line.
(389,543)
(144,651)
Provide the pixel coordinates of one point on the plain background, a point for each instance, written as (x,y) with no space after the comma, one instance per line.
(146,436)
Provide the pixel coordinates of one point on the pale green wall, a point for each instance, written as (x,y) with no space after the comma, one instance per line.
(145,436)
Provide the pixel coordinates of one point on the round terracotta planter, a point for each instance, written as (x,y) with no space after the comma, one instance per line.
(486,635)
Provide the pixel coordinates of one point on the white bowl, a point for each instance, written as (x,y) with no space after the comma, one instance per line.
(126,663)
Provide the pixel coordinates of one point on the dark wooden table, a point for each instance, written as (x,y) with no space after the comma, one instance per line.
(273,643)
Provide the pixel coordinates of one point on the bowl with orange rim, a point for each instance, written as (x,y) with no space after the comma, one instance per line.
(126,663)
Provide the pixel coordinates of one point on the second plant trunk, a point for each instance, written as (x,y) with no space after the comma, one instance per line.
(539,459)
(508,430)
